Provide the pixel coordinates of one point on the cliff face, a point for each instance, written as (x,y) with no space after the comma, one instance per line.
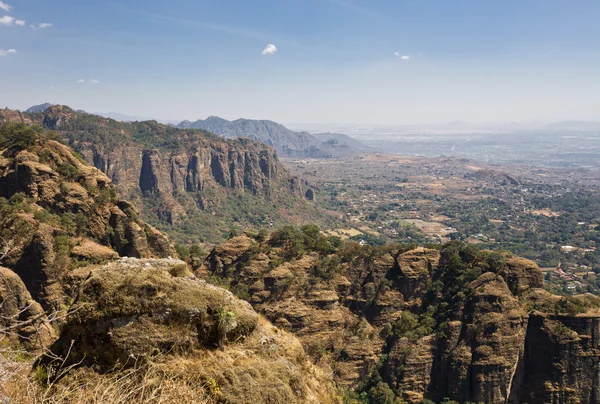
(472,327)
(154,170)
(173,174)
(561,360)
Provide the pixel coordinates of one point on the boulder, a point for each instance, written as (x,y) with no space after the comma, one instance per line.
(133,308)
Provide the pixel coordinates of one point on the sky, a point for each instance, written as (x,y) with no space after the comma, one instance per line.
(306,61)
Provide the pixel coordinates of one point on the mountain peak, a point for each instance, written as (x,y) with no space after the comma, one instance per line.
(39,108)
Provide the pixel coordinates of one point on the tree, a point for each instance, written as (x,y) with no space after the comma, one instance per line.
(19,136)
(6,247)
(381,394)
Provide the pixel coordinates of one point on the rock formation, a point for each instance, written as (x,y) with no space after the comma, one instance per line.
(470,326)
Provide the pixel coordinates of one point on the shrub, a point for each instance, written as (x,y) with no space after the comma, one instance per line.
(381,394)
(68,171)
(19,136)
(182,251)
(226,321)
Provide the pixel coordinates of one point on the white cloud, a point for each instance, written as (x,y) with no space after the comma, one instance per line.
(270,49)
(403,57)
(7,52)
(94,81)
(44,25)
(20,22)
(7,20)
(4,6)
(81,81)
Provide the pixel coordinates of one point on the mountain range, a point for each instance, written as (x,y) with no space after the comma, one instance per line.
(287,142)
(190,183)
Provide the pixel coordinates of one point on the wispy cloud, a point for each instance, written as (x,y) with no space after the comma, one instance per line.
(226,29)
(403,57)
(94,81)
(20,22)
(270,49)
(41,25)
(81,81)
(7,20)
(7,52)
(4,6)
(352,6)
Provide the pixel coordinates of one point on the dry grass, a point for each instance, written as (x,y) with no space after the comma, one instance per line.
(269,366)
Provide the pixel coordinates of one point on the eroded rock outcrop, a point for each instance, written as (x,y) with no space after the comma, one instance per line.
(22,319)
(56,209)
(129,308)
(133,311)
(458,323)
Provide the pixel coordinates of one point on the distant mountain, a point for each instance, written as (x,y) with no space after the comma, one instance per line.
(282,139)
(122,117)
(339,143)
(37,109)
(133,118)
(583,126)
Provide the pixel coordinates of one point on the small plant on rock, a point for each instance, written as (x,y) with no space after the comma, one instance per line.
(226,322)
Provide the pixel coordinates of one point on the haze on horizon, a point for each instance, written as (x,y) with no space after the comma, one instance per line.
(381,62)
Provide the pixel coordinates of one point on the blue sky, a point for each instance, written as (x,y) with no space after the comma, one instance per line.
(337,61)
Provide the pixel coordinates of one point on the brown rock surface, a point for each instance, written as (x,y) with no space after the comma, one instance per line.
(22,319)
(60,198)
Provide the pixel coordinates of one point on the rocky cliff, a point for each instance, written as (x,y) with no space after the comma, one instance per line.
(56,210)
(470,325)
(174,175)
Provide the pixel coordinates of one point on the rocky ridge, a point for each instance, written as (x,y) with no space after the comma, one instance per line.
(458,323)
(171,174)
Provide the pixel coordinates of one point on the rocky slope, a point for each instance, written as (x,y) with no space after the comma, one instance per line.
(424,323)
(90,312)
(172,174)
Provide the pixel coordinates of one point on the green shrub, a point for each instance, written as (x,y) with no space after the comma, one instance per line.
(182,251)
(19,136)
(68,171)
(381,393)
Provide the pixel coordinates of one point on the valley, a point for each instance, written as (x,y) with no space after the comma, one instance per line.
(422,285)
(300,202)
(546,214)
